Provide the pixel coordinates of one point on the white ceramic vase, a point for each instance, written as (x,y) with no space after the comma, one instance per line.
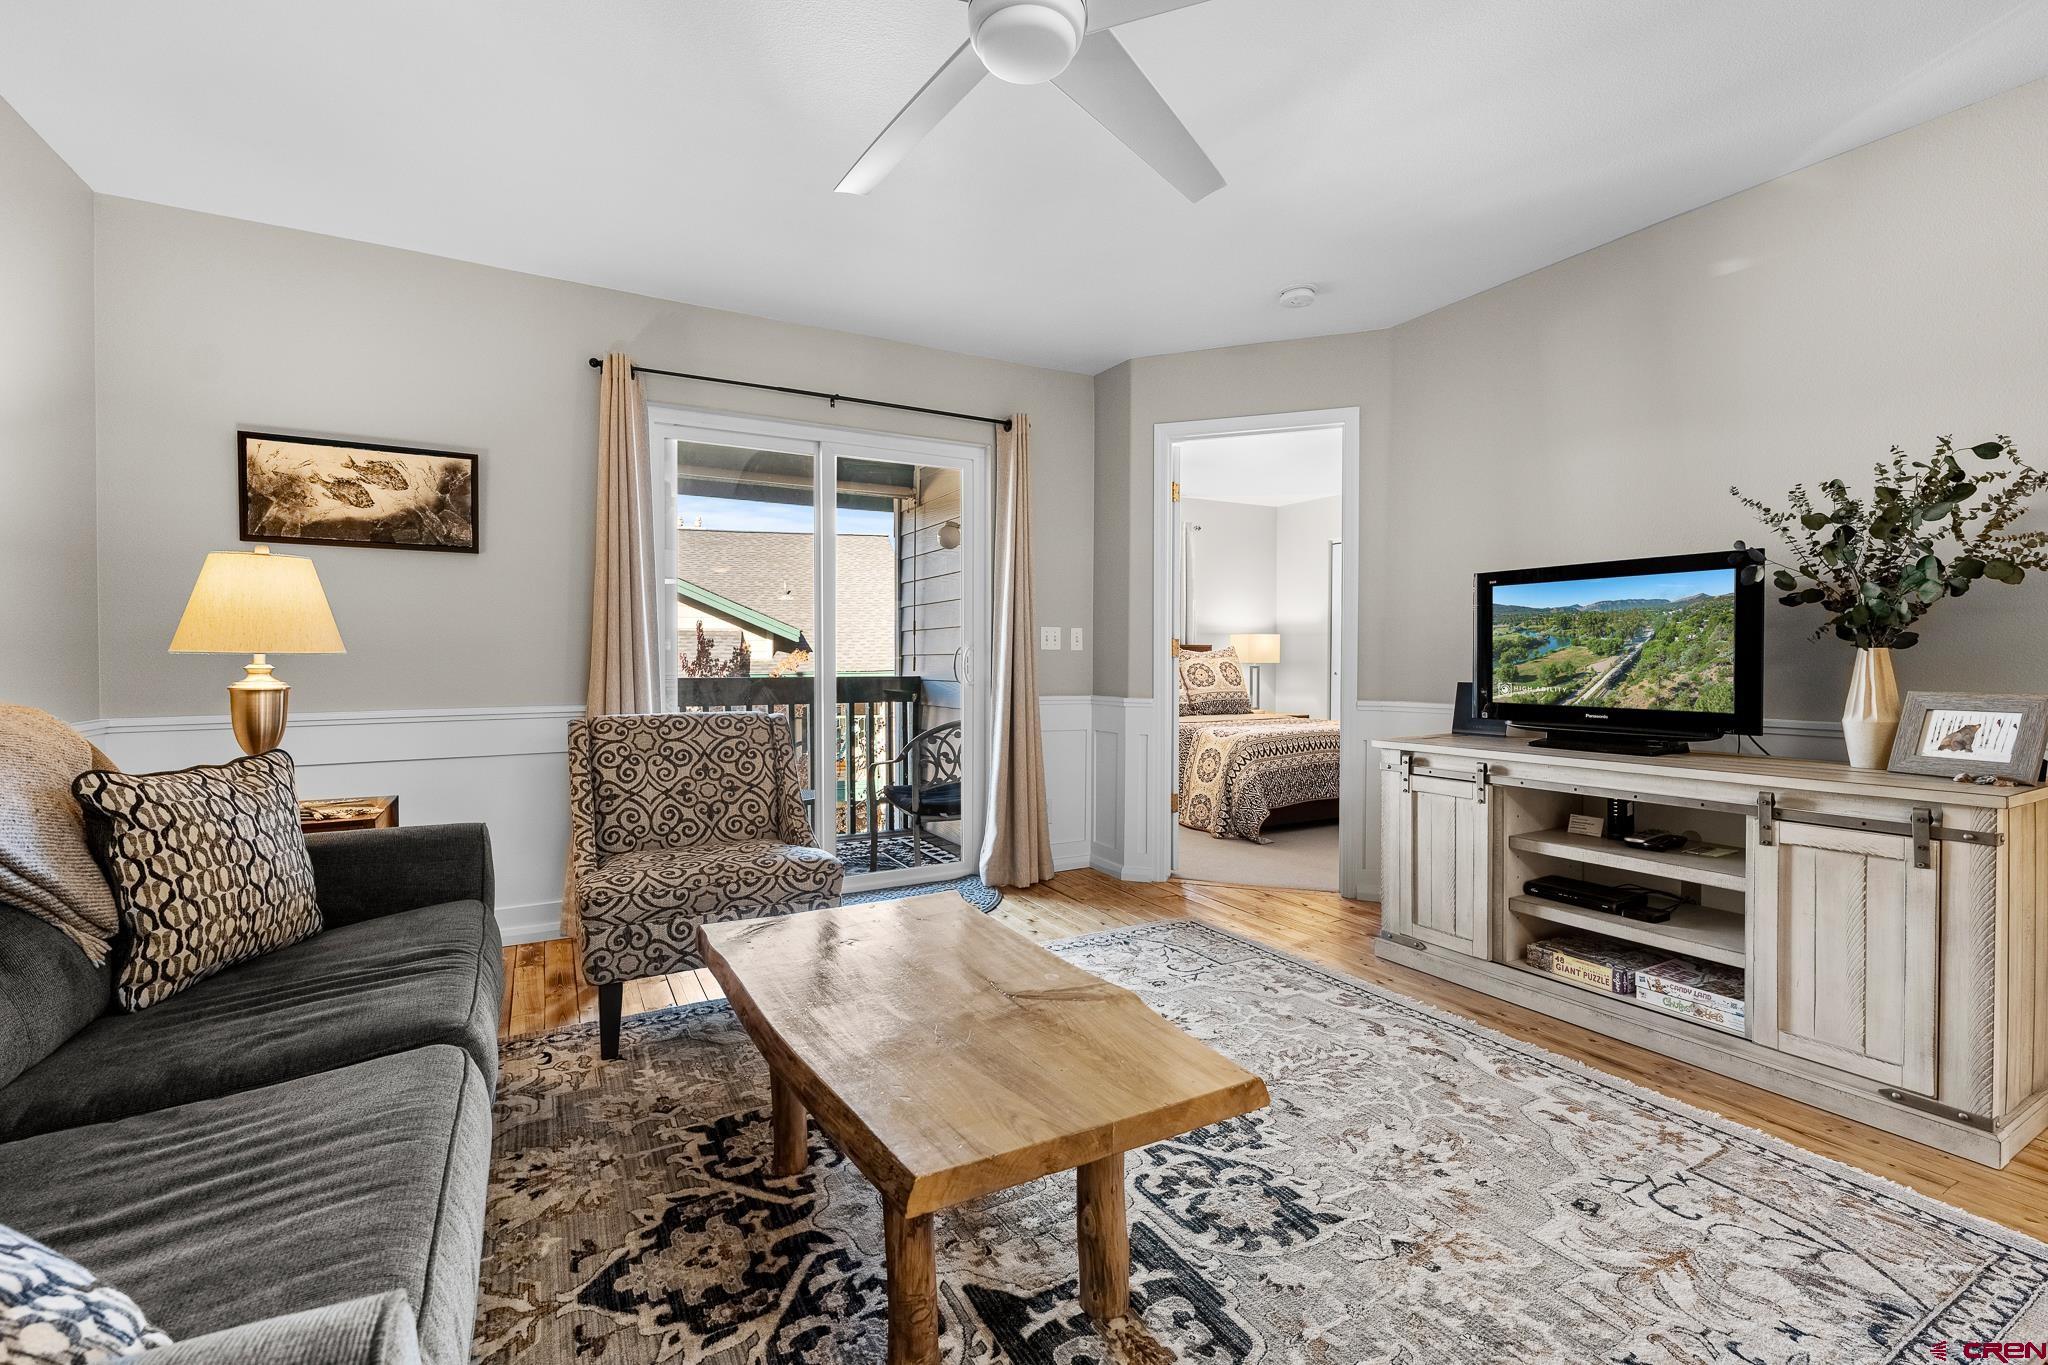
(1870,716)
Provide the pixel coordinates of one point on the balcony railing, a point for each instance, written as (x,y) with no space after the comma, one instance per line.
(874,716)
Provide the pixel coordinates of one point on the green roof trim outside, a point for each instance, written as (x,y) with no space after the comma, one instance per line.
(760,622)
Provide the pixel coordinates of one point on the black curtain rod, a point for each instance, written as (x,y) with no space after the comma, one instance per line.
(835,399)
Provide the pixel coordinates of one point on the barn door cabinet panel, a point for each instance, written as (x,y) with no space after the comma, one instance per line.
(1436,820)
(1888,926)
(1859,953)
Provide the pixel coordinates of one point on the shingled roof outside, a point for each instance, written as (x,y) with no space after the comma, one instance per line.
(769,572)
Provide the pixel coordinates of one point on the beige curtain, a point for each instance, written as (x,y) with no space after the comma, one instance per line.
(625,586)
(1017,850)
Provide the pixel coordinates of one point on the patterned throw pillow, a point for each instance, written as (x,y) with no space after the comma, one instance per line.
(54,1311)
(1212,684)
(208,867)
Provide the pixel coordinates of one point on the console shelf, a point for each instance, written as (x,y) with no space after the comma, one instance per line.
(1622,1002)
(1730,871)
(1692,930)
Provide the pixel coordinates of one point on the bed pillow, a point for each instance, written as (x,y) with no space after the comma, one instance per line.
(208,866)
(53,1311)
(1212,684)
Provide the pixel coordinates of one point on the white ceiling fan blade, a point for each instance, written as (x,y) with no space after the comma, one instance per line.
(961,73)
(1105,81)
(1109,13)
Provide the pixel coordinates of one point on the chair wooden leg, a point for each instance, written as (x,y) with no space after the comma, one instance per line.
(611,1002)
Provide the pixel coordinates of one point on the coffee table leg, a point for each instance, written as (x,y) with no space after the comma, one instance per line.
(913,1290)
(1105,1239)
(792,1136)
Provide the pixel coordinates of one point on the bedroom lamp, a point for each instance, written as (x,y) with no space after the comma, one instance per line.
(1254,650)
(259,604)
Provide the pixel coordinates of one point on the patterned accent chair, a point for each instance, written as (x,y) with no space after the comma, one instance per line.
(677,821)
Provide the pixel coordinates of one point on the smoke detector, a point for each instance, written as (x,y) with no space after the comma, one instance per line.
(1301,296)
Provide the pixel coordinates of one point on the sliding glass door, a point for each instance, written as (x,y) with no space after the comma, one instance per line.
(840,579)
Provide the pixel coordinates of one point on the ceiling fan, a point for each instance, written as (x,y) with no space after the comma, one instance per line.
(1066,42)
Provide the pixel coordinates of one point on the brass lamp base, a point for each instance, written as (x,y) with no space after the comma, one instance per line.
(257,706)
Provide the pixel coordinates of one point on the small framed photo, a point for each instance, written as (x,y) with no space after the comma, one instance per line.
(305,490)
(1946,734)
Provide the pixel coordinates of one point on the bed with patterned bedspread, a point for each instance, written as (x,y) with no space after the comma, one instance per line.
(1236,770)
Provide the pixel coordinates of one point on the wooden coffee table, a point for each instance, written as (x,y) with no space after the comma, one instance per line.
(950,1057)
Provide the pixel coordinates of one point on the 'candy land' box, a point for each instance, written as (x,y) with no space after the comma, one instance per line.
(1706,991)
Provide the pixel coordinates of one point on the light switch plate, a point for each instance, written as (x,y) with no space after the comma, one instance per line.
(1048,637)
(1074,640)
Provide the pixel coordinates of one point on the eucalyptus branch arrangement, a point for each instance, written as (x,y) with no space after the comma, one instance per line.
(1928,530)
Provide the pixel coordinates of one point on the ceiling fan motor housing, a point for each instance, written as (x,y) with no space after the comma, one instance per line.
(1026,42)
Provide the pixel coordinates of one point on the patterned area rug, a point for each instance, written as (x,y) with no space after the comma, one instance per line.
(1421,1189)
(973,890)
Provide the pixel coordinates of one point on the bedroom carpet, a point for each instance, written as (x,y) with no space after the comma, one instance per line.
(1421,1189)
(1303,858)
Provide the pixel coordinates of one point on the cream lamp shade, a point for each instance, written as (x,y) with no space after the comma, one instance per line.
(1256,649)
(257,603)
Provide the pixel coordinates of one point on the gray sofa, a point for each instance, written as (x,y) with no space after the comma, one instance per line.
(286,1162)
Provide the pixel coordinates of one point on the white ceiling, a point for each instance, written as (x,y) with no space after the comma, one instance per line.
(1270,469)
(1397,154)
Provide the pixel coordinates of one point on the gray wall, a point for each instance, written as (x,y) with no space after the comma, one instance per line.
(49,609)
(1794,332)
(1302,533)
(1602,406)
(207,323)
(1284,376)
(1231,574)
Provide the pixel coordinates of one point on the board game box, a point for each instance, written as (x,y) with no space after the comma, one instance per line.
(1711,984)
(1600,963)
(1693,1010)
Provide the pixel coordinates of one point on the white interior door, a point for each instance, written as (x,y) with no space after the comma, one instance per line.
(1179,593)
(1336,631)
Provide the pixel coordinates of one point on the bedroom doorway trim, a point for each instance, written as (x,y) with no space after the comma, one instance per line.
(1164,778)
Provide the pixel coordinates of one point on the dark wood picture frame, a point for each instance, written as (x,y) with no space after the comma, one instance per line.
(253,508)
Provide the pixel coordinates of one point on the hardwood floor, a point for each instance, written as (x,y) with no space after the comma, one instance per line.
(544,990)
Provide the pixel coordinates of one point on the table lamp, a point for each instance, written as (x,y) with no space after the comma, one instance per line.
(259,604)
(1254,650)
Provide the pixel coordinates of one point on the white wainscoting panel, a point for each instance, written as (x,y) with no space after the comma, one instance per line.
(1066,726)
(505,768)
(1121,750)
(509,769)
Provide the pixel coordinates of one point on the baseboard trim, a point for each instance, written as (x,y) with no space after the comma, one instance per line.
(534,923)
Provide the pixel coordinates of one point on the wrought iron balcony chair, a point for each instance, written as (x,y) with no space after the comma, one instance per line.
(930,791)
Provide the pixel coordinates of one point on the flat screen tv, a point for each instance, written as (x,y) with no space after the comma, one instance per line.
(1639,655)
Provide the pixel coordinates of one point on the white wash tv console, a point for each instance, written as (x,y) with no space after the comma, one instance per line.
(1890,926)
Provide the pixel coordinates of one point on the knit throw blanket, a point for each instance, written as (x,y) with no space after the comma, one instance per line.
(45,866)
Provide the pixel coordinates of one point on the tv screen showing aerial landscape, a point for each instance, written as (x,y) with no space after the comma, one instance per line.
(1646,642)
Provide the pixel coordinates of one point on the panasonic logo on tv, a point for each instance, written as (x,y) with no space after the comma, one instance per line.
(1594,715)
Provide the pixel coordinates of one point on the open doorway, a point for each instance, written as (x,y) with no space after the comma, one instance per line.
(1259,649)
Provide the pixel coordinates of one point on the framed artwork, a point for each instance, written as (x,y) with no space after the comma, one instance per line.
(306,490)
(1969,734)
